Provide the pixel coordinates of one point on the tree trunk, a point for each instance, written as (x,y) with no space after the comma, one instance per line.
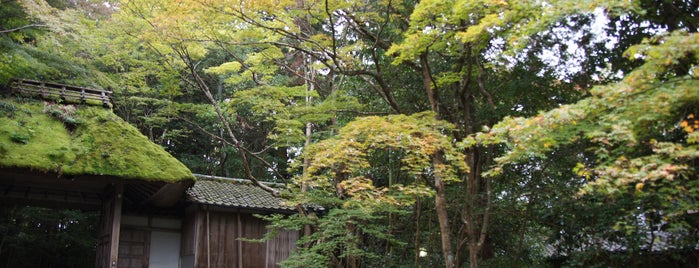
(472,255)
(440,201)
(440,198)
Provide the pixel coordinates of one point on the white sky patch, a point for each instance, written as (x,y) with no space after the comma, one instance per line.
(293,153)
(565,57)
(599,27)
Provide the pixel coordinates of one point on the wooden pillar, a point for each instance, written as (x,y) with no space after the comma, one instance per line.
(240,240)
(110,227)
(116,224)
(208,239)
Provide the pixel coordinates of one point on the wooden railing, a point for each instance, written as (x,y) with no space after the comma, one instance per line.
(62,92)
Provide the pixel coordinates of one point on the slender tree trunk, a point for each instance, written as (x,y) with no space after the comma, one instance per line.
(352,260)
(473,255)
(428,83)
(309,130)
(417,230)
(308,72)
(440,201)
(475,213)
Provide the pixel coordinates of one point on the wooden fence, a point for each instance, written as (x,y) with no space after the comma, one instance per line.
(62,92)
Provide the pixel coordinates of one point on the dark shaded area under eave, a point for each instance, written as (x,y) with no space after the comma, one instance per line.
(51,152)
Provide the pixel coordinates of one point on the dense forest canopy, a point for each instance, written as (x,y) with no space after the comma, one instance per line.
(457,133)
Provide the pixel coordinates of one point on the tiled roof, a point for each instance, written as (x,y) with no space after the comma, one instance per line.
(236,193)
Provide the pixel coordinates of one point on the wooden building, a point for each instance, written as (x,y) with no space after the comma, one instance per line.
(62,147)
(212,229)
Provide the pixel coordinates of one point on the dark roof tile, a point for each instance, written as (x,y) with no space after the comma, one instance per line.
(238,193)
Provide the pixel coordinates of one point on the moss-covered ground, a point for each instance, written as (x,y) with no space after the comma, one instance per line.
(75,140)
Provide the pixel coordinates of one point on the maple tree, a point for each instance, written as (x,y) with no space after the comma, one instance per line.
(640,130)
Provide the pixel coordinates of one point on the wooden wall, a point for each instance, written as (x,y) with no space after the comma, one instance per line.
(212,237)
(279,248)
(134,248)
(148,241)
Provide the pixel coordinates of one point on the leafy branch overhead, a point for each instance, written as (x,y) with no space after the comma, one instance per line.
(641,129)
(343,161)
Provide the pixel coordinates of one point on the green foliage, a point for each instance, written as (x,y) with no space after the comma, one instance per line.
(52,46)
(640,136)
(418,135)
(33,236)
(228,67)
(341,179)
(342,236)
(436,25)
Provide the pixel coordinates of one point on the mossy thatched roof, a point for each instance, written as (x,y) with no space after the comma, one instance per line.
(80,140)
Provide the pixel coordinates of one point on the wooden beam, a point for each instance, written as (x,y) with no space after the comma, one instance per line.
(168,194)
(55,197)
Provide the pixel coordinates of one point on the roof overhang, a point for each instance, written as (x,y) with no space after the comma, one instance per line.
(86,192)
(26,187)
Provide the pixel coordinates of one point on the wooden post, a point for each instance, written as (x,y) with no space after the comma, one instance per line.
(208,239)
(42,89)
(110,226)
(240,241)
(115,224)
(63,94)
(105,101)
(15,85)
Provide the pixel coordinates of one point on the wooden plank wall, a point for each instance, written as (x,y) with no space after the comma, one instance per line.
(134,248)
(189,229)
(216,243)
(279,248)
(219,246)
(253,253)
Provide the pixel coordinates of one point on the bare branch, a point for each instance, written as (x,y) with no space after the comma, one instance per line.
(33,25)
(227,142)
(184,55)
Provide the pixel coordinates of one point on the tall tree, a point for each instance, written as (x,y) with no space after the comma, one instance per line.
(447,44)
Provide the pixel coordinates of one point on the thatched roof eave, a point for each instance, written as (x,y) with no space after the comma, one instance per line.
(75,140)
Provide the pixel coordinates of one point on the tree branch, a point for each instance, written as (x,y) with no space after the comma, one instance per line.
(183,53)
(33,25)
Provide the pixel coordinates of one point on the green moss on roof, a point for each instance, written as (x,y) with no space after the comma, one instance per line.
(78,140)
